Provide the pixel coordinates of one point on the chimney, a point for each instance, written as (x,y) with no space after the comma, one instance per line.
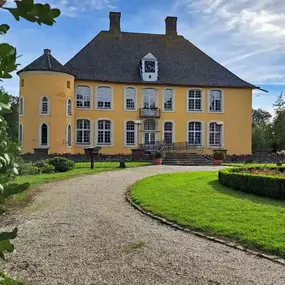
(115,22)
(171,26)
(47,51)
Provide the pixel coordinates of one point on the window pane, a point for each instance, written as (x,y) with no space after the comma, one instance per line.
(44,135)
(149,98)
(195,133)
(168,99)
(104,97)
(83,131)
(130,98)
(195,100)
(104,132)
(83,96)
(216,101)
(149,125)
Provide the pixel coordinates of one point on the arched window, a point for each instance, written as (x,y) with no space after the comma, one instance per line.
(68,136)
(21,134)
(104,97)
(83,132)
(69,107)
(149,98)
(21,106)
(195,100)
(130,133)
(104,132)
(83,97)
(168,100)
(44,135)
(168,133)
(130,99)
(216,101)
(215,134)
(195,132)
(45,106)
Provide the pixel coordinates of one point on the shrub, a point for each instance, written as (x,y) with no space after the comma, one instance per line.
(263,185)
(28,169)
(218,155)
(157,155)
(61,164)
(44,167)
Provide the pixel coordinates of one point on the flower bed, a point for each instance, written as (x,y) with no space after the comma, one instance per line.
(269,182)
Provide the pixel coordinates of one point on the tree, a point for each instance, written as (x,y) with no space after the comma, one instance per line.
(279,103)
(9,151)
(260,117)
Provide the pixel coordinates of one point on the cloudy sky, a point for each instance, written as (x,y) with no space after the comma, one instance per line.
(246,36)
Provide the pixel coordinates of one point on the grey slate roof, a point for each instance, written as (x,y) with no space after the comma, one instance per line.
(45,62)
(116,58)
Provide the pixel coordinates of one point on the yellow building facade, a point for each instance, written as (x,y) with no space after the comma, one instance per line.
(64,111)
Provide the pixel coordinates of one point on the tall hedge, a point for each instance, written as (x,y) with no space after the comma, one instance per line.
(263,185)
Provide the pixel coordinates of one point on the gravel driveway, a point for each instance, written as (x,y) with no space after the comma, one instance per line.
(82,231)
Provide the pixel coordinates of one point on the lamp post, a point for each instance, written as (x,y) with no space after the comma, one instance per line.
(138,123)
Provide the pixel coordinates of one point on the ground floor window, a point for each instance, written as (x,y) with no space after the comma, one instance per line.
(195,133)
(104,132)
(168,133)
(130,133)
(83,131)
(44,135)
(69,136)
(215,134)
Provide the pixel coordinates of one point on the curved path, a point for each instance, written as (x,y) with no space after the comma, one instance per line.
(82,231)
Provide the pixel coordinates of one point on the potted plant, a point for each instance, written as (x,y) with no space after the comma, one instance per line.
(157,158)
(218,157)
(280,157)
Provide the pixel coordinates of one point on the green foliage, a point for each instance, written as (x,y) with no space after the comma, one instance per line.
(28,169)
(44,167)
(157,155)
(262,185)
(61,164)
(4,280)
(218,155)
(260,117)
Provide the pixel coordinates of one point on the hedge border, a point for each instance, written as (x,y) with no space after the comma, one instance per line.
(262,185)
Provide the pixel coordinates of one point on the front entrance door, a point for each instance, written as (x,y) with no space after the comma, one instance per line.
(149,138)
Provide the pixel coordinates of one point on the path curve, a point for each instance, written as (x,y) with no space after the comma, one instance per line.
(82,231)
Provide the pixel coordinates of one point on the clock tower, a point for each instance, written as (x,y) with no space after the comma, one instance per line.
(149,68)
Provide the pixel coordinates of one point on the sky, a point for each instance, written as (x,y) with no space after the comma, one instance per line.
(246,36)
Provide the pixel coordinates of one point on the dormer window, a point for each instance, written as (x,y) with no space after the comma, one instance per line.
(149,68)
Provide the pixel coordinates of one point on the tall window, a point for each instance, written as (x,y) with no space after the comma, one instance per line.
(168,133)
(104,132)
(195,100)
(68,84)
(21,134)
(44,134)
(44,107)
(83,97)
(215,104)
(195,133)
(149,131)
(215,134)
(21,106)
(22,82)
(130,133)
(68,107)
(168,100)
(68,136)
(104,97)
(83,132)
(149,98)
(130,98)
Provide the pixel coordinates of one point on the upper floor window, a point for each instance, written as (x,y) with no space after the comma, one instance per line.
(168,100)
(21,134)
(195,131)
(216,101)
(44,106)
(215,134)
(83,132)
(22,82)
(21,106)
(104,132)
(149,98)
(130,133)
(69,136)
(104,98)
(168,133)
(69,107)
(130,98)
(149,66)
(195,100)
(83,97)
(44,135)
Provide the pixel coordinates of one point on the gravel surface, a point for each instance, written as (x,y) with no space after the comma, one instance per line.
(82,231)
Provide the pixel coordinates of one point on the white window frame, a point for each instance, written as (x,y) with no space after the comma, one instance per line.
(112,98)
(173,100)
(21,106)
(67,101)
(48,135)
(125,99)
(91,97)
(75,133)
(125,134)
(222,135)
(21,136)
(156,93)
(41,106)
(112,132)
(222,103)
(202,101)
(66,139)
(173,129)
(202,132)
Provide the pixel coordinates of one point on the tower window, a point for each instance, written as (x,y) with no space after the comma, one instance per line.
(22,82)
(68,84)
(44,135)
(44,106)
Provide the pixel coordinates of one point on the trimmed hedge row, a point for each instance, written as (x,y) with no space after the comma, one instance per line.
(263,185)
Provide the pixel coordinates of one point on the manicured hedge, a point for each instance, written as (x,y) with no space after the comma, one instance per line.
(263,185)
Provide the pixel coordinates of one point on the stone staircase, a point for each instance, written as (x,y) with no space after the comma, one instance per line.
(185,158)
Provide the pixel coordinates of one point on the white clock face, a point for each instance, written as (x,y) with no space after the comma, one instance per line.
(149,66)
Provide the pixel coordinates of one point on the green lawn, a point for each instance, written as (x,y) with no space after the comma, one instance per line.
(250,164)
(198,201)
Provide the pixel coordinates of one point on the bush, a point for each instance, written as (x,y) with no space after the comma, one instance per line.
(157,155)
(28,169)
(44,167)
(262,185)
(218,155)
(61,164)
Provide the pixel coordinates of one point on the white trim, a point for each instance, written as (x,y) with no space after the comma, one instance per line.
(173,100)
(112,98)
(66,136)
(91,133)
(45,72)
(222,104)
(202,101)
(112,133)
(142,89)
(21,105)
(21,141)
(136,134)
(136,99)
(173,129)
(40,135)
(202,132)
(66,107)
(49,105)
(222,135)
(91,97)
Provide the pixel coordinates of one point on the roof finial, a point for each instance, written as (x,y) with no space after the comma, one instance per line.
(47,51)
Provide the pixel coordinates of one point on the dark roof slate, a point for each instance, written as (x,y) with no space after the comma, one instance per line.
(116,58)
